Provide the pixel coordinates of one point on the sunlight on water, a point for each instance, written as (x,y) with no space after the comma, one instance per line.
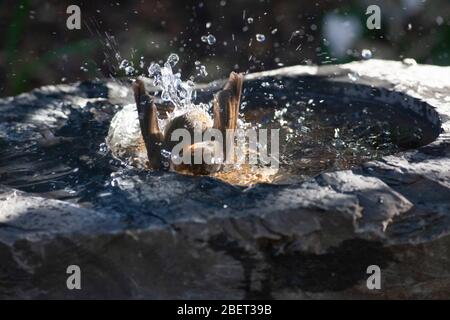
(316,134)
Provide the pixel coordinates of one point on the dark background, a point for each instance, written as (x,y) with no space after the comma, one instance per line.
(36,48)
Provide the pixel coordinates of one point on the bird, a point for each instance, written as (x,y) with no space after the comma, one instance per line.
(225,115)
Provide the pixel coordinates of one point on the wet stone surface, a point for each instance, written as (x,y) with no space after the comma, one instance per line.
(65,200)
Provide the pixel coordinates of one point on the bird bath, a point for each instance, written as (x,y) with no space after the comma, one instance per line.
(323,127)
(323,130)
(363,178)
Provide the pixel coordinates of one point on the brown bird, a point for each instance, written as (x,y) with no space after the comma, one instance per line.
(225,114)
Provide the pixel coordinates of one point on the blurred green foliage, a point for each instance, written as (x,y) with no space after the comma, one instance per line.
(38,49)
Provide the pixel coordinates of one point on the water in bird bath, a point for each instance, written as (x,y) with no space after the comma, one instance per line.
(326,133)
(318,131)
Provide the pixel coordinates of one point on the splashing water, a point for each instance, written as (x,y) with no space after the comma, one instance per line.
(210,39)
(203,71)
(180,94)
(173,89)
(127,66)
(260,37)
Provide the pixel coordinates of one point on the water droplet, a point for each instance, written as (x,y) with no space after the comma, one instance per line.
(114,183)
(129,70)
(260,37)
(165,96)
(154,69)
(165,153)
(69,190)
(352,76)
(409,62)
(203,71)
(366,54)
(336,133)
(125,63)
(208,25)
(211,39)
(173,59)
(250,20)
(103,147)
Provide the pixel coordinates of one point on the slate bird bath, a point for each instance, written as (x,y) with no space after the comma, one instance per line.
(380,196)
